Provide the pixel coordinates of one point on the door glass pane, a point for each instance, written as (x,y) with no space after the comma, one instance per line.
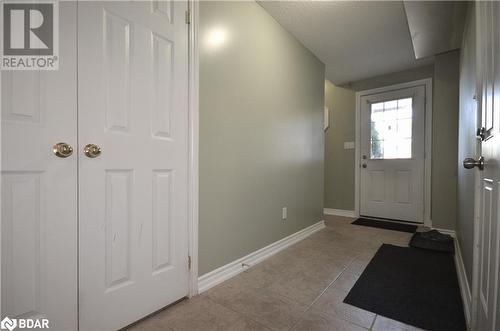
(391,129)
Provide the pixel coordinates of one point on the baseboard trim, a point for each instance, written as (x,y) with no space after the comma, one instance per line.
(464,283)
(232,269)
(446,231)
(465,289)
(339,212)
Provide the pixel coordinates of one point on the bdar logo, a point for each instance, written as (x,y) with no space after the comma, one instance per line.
(8,324)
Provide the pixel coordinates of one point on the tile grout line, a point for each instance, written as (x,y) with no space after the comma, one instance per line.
(238,312)
(373,323)
(322,292)
(329,285)
(326,289)
(307,307)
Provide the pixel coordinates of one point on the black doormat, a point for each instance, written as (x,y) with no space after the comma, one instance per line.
(414,286)
(385,225)
(434,241)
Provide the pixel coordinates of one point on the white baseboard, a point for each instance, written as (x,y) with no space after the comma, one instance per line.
(446,231)
(464,283)
(339,212)
(231,269)
(465,289)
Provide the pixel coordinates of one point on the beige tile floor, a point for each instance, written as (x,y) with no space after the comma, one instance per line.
(300,288)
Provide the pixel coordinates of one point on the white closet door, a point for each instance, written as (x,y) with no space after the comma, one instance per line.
(488,257)
(39,189)
(133,104)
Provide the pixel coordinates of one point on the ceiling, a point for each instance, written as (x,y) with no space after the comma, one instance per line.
(435,26)
(355,39)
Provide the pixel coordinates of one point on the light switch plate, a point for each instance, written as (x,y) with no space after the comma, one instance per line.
(349,145)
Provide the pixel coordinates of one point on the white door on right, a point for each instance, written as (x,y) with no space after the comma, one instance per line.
(488,257)
(392,154)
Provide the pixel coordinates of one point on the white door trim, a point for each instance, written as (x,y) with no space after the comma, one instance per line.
(193,133)
(428,142)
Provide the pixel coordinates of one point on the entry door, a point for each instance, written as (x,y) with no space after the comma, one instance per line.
(392,154)
(488,308)
(39,188)
(133,97)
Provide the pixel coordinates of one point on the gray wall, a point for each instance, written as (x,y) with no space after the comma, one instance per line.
(394,78)
(261,133)
(467,144)
(339,162)
(445,137)
(445,140)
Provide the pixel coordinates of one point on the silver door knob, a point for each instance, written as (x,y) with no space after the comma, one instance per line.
(92,150)
(470,163)
(62,150)
(364,165)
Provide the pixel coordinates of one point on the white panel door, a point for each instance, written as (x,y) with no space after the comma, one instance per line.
(39,189)
(392,154)
(133,98)
(488,257)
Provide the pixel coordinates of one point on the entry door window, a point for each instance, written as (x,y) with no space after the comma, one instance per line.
(391,129)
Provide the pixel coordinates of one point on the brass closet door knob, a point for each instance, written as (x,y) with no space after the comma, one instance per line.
(62,150)
(92,150)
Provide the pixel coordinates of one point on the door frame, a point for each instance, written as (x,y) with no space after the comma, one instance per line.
(474,290)
(427,83)
(193,143)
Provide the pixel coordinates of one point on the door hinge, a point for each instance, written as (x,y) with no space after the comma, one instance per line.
(189,262)
(188,16)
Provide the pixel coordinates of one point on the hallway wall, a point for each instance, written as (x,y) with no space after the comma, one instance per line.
(445,137)
(339,162)
(261,132)
(445,140)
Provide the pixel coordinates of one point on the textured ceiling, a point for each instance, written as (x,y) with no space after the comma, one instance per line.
(355,39)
